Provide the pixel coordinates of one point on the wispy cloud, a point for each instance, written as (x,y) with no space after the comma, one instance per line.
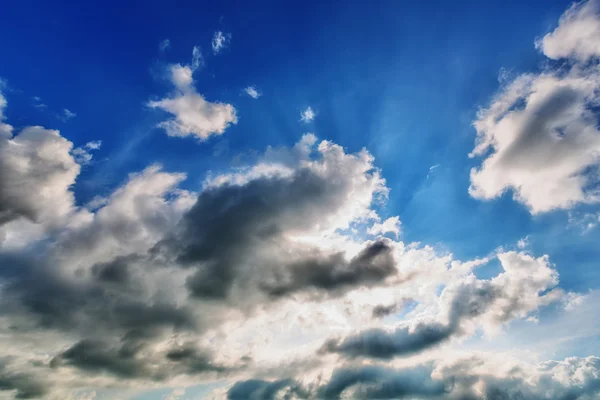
(164,45)
(220,41)
(67,115)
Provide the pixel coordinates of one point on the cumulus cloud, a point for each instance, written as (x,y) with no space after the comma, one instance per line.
(469,304)
(243,278)
(252,92)
(220,41)
(307,115)
(390,225)
(577,35)
(37,171)
(244,228)
(539,136)
(459,378)
(192,114)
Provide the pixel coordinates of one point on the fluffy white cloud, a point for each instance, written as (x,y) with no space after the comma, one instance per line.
(192,114)
(220,41)
(577,35)
(37,171)
(390,225)
(539,136)
(68,114)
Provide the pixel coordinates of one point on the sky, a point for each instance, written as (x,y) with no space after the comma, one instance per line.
(299,200)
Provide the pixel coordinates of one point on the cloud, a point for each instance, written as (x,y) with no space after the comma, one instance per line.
(241,233)
(577,35)
(83,155)
(256,389)
(252,92)
(197,58)
(164,45)
(192,114)
(460,378)
(539,136)
(390,225)
(37,171)
(67,115)
(307,115)
(220,41)
(243,278)
(470,304)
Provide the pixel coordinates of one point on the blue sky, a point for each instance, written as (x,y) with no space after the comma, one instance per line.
(407,82)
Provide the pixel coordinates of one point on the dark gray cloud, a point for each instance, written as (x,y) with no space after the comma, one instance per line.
(377,343)
(25,386)
(380,310)
(512,294)
(234,233)
(257,389)
(96,356)
(457,380)
(133,357)
(116,271)
(57,301)
(375,382)
(193,360)
(372,265)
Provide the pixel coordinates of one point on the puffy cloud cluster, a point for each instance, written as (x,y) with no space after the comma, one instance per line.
(37,171)
(539,136)
(246,277)
(193,115)
(467,304)
(461,378)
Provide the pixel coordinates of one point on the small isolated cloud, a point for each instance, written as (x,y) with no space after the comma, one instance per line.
(307,115)
(164,45)
(83,155)
(67,115)
(197,58)
(192,114)
(252,92)
(220,41)
(38,103)
(390,225)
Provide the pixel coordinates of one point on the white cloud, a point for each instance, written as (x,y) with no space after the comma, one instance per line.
(164,45)
(37,171)
(539,137)
(192,114)
(307,115)
(252,92)
(577,35)
(68,114)
(83,154)
(390,225)
(220,41)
